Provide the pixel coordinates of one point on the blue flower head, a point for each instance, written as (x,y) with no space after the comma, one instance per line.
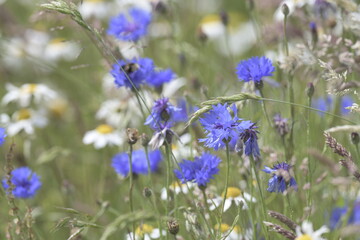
(158,78)
(2,136)
(137,70)
(346,101)
(25,181)
(339,212)
(281,178)
(200,171)
(220,126)
(248,135)
(130,29)
(327,104)
(162,112)
(254,69)
(120,162)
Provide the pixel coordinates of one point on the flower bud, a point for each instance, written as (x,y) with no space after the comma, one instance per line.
(133,135)
(173,226)
(285,10)
(310,89)
(147,192)
(355,138)
(144,140)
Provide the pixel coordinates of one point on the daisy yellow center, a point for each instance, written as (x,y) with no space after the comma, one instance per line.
(232,192)
(104,129)
(304,237)
(23,114)
(175,185)
(223,227)
(144,229)
(29,88)
(57,41)
(58,108)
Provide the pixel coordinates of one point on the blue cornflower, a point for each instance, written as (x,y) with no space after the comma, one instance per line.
(328,104)
(162,112)
(346,101)
(25,181)
(2,135)
(281,178)
(120,162)
(158,78)
(182,114)
(220,126)
(248,135)
(200,171)
(137,70)
(339,212)
(254,69)
(130,29)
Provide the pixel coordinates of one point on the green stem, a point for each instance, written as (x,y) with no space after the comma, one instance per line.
(131,186)
(264,108)
(226,185)
(152,199)
(252,162)
(167,177)
(310,170)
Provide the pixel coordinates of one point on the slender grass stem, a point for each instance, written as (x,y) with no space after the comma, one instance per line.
(131,187)
(152,199)
(264,108)
(252,162)
(168,159)
(226,184)
(310,170)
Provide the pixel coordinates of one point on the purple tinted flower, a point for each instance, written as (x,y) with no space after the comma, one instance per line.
(339,212)
(248,135)
(254,69)
(346,101)
(328,105)
(25,181)
(120,162)
(182,114)
(281,125)
(2,135)
(162,135)
(158,78)
(220,126)
(281,178)
(130,28)
(162,112)
(200,171)
(137,70)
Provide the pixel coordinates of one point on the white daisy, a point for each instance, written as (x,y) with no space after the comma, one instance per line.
(99,9)
(145,232)
(112,112)
(233,195)
(306,232)
(24,94)
(235,38)
(25,119)
(102,136)
(177,188)
(181,148)
(59,49)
